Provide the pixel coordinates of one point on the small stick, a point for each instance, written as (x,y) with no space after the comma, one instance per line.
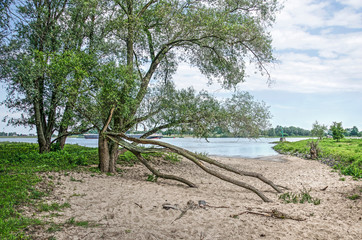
(139,205)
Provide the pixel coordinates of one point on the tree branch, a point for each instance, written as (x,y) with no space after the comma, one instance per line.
(195,160)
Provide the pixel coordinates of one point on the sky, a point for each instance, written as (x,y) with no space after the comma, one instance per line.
(318,76)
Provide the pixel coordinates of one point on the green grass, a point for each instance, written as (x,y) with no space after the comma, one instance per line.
(302,197)
(19,163)
(345,155)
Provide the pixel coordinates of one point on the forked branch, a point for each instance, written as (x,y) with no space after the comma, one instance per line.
(197,159)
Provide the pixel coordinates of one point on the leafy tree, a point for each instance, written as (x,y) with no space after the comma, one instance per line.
(123,55)
(337,131)
(354,131)
(151,38)
(318,130)
(44,65)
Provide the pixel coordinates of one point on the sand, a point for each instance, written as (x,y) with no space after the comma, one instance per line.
(126,206)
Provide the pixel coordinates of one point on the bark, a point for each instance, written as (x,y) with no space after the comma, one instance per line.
(43,141)
(107,150)
(103,153)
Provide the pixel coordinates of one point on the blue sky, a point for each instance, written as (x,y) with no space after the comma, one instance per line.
(318,76)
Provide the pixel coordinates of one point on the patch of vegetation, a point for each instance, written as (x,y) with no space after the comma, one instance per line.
(19,163)
(354,197)
(172,157)
(302,197)
(152,178)
(72,221)
(345,155)
(44,207)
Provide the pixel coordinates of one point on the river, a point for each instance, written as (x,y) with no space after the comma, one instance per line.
(229,147)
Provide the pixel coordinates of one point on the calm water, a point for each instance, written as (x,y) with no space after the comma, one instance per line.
(230,147)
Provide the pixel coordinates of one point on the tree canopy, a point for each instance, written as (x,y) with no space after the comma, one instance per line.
(337,131)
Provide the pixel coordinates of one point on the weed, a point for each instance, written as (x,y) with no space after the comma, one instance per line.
(301,197)
(172,157)
(75,180)
(78,195)
(342,179)
(55,228)
(354,197)
(85,224)
(152,178)
(44,207)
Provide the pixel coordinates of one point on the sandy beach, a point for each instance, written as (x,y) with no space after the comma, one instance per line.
(126,206)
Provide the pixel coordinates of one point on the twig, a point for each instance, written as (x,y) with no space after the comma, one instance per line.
(207,205)
(139,205)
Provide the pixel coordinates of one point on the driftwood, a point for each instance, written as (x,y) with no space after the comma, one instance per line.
(273,214)
(197,159)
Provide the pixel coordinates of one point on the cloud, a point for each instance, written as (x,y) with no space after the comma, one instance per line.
(352,3)
(318,47)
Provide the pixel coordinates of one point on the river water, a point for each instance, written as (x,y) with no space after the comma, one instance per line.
(229,147)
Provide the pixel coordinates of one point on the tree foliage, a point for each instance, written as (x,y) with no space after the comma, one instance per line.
(44,64)
(337,131)
(318,130)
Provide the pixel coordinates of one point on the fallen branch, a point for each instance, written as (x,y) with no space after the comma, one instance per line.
(273,214)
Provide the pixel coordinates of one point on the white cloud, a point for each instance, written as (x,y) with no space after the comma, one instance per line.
(316,50)
(352,3)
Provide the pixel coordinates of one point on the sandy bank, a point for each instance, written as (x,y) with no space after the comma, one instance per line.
(127,206)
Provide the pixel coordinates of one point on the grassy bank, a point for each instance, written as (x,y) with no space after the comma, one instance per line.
(345,155)
(19,165)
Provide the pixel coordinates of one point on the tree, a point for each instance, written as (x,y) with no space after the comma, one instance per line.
(354,131)
(337,131)
(150,38)
(125,53)
(318,130)
(44,65)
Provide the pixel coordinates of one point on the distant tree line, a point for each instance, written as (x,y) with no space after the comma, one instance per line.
(318,130)
(290,131)
(13,134)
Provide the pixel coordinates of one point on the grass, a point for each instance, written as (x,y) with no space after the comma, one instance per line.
(302,197)
(345,155)
(354,197)
(19,163)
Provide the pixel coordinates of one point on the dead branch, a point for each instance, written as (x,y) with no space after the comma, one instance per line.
(273,214)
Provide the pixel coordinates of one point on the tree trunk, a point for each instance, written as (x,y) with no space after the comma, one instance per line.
(108,154)
(61,141)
